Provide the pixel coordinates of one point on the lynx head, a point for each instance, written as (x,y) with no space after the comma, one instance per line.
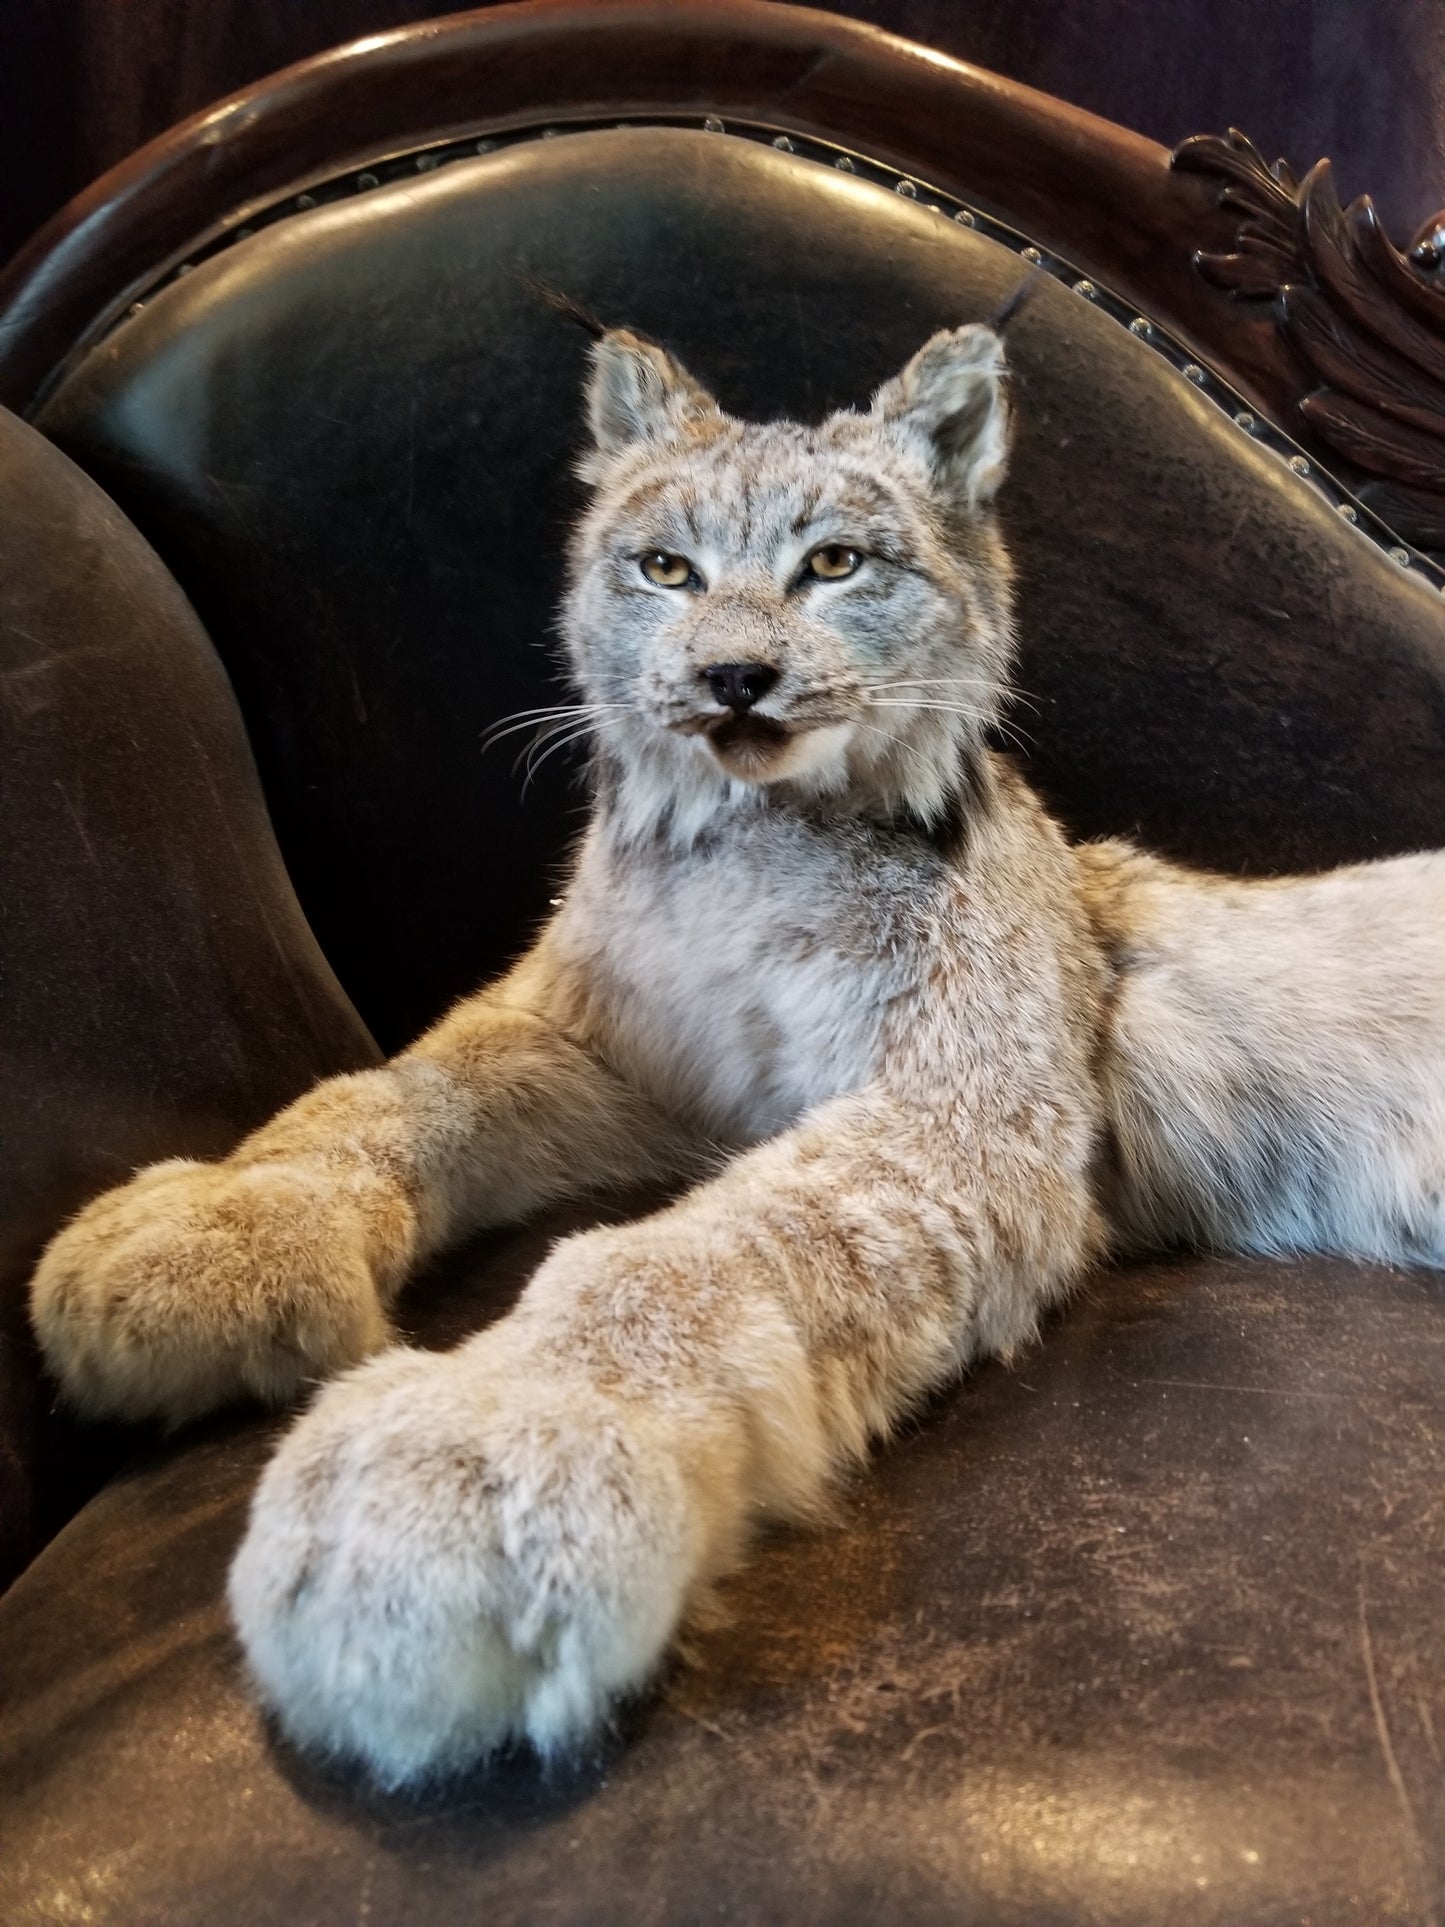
(769,613)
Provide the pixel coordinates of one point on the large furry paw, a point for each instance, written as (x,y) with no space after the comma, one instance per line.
(195,1284)
(452,1552)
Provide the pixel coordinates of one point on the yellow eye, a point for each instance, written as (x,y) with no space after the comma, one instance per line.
(667,571)
(832,562)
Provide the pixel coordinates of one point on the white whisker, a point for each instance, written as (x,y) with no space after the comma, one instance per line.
(569,725)
(945,709)
(583,730)
(513,729)
(897,744)
(939,682)
(525,718)
(1005,690)
(893,742)
(982,718)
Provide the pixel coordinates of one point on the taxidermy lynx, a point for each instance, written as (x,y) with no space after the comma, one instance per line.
(823,953)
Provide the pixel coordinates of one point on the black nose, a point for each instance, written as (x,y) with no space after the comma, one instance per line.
(738,685)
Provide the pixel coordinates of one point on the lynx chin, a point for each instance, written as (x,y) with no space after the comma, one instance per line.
(823,956)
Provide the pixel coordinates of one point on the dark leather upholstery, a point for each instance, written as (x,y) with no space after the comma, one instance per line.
(349,436)
(1143,1630)
(159,988)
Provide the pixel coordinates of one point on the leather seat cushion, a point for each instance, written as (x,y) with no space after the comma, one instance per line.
(1144,1629)
(350,438)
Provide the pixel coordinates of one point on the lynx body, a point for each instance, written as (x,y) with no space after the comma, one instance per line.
(824,956)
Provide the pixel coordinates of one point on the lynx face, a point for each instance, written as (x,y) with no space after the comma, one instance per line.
(823,609)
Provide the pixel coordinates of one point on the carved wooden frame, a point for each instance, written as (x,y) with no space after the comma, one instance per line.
(1308,315)
(1365,319)
(1080,186)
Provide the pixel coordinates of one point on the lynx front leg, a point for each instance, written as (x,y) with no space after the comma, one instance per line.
(195,1284)
(450,1552)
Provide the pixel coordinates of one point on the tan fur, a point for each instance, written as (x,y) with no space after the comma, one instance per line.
(936,1060)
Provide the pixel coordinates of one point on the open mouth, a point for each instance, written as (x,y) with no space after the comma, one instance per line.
(762,749)
(749,746)
(736,736)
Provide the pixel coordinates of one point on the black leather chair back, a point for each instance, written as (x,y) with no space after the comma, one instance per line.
(349,435)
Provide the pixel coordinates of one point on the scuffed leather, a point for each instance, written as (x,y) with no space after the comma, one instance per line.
(1130,1633)
(159,989)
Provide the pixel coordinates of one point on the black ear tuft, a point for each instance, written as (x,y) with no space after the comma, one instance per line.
(565,305)
(1015,303)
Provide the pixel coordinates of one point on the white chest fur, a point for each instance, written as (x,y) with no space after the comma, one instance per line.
(749,981)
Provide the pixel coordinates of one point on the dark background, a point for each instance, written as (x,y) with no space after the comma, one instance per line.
(83,82)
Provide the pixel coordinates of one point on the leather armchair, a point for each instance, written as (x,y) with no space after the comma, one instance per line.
(1142,1628)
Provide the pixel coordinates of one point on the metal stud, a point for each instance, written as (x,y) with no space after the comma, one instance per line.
(964,217)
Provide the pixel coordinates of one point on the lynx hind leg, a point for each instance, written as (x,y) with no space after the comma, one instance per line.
(1276,1064)
(196,1284)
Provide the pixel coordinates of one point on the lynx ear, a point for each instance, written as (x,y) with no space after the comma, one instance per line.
(952,395)
(638,393)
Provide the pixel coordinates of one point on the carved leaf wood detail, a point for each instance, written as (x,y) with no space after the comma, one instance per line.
(1367,320)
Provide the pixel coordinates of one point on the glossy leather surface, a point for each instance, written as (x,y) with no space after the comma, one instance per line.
(159,988)
(1143,1631)
(349,437)
(86,83)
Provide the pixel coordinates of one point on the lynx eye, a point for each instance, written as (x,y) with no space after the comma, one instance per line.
(832,562)
(668,571)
